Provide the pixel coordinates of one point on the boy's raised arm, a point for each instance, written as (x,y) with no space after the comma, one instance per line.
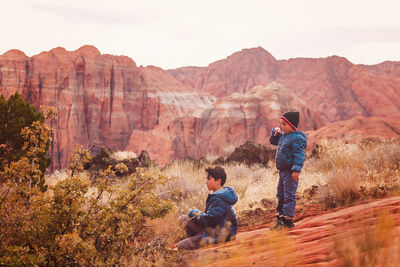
(275,135)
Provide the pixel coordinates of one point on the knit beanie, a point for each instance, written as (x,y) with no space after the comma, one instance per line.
(292,118)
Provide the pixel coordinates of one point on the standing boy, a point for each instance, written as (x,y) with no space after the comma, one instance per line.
(218,223)
(290,157)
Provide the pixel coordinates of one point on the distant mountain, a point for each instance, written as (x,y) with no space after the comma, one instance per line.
(197,111)
(333,86)
(356,128)
(236,74)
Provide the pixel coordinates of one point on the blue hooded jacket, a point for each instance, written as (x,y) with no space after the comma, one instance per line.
(218,211)
(291,150)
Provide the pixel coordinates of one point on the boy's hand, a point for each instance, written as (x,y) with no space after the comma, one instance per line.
(194,213)
(295,175)
(277,131)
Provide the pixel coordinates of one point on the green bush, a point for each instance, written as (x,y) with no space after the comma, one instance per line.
(15,115)
(72,223)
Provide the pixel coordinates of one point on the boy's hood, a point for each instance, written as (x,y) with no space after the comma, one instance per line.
(227,194)
(299,133)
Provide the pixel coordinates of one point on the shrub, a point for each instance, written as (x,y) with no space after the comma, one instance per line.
(73,223)
(15,115)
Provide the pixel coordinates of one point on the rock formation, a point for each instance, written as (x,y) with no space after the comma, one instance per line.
(236,74)
(228,123)
(100,99)
(196,111)
(250,153)
(333,86)
(355,129)
(339,90)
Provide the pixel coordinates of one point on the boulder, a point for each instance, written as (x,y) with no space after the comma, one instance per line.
(250,153)
(104,159)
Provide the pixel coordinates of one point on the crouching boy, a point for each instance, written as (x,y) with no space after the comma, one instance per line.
(289,158)
(218,223)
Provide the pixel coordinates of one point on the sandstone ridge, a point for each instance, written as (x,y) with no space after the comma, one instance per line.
(332,86)
(109,101)
(101,99)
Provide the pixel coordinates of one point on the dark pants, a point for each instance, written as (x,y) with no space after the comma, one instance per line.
(194,233)
(286,193)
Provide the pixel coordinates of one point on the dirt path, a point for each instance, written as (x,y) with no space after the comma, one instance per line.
(316,240)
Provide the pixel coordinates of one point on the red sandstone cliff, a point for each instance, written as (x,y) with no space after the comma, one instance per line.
(339,90)
(101,99)
(228,123)
(387,68)
(333,86)
(354,129)
(109,101)
(236,74)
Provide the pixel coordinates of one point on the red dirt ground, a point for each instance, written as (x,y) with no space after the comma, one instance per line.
(313,242)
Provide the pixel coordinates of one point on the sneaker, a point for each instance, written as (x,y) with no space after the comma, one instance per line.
(287,222)
(279,224)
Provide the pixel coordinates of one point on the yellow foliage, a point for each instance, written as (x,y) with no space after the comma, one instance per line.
(73,223)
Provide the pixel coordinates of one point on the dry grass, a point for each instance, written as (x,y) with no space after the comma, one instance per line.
(369,245)
(252,184)
(273,249)
(58,176)
(357,171)
(343,172)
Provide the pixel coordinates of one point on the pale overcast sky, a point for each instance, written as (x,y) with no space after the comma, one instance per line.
(176,33)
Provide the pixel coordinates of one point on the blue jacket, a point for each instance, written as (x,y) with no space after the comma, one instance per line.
(218,211)
(291,150)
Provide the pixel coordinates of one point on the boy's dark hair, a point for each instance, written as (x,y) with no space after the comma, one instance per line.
(217,173)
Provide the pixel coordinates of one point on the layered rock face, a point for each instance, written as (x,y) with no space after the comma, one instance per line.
(108,101)
(101,99)
(356,128)
(333,86)
(339,90)
(236,74)
(228,123)
(387,68)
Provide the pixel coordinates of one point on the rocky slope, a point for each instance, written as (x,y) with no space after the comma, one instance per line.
(354,129)
(364,231)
